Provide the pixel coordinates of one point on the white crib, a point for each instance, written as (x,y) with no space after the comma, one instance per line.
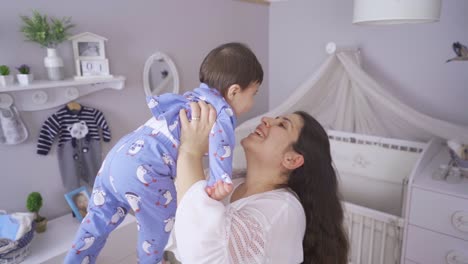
(373,172)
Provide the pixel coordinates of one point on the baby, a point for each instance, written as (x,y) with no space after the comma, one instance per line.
(138,173)
(81,202)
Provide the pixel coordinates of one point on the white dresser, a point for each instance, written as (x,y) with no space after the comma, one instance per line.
(436,230)
(51,246)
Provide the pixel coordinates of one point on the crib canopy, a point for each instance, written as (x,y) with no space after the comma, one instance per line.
(342,96)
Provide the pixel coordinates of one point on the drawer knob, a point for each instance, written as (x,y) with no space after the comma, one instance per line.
(460,221)
(456,258)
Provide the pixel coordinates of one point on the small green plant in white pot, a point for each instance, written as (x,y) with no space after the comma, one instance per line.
(34,204)
(5,77)
(25,77)
(49,33)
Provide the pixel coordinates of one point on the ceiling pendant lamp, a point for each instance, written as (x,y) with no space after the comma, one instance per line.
(387,12)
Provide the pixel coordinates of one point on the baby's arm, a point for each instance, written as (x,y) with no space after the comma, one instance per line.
(220,155)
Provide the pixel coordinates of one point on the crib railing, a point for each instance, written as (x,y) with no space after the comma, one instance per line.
(374,237)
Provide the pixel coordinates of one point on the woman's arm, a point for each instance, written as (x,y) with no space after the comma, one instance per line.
(189,171)
(205,230)
(194,143)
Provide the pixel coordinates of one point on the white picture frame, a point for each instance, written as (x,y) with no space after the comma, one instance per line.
(89,49)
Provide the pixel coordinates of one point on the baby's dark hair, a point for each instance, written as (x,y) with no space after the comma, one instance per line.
(229,64)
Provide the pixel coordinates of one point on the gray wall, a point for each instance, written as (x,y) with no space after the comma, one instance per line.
(186,30)
(409,60)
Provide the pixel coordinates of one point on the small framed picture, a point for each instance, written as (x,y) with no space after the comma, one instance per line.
(90,56)
(88,45)
(89,49)
(78,200)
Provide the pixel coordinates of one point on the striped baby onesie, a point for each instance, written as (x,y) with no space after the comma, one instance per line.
(79,150)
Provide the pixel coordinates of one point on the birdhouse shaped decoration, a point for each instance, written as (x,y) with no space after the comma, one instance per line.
(90,56)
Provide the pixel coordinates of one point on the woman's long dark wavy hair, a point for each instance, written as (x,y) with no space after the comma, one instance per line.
(315,182)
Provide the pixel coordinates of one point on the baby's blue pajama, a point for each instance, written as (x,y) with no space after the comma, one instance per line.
(138,174)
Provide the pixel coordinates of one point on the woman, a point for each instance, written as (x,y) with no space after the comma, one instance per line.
(286,210)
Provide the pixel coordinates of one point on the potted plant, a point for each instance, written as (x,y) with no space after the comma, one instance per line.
(25,76)
(49,33)
(34,204)
(5,77)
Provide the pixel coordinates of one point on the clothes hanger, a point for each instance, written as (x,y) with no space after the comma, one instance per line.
(74,106)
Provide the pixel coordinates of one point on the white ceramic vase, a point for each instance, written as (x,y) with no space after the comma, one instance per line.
(6,80)
(25,79)
(54,65)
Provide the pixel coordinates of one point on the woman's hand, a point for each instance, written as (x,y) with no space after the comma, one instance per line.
(195,133)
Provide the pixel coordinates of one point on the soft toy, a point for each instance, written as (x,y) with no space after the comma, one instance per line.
(458,164)
(459,149)
(459,153)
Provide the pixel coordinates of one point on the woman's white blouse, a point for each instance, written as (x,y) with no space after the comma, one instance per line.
(262,228)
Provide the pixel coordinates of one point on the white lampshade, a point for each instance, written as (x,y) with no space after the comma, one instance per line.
(385,12)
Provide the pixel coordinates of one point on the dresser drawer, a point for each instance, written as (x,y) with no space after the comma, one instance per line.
(424,246)
(439,212)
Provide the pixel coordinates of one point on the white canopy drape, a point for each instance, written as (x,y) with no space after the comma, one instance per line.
(344,97)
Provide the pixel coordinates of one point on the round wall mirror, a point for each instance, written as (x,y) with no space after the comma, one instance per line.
(160,75)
